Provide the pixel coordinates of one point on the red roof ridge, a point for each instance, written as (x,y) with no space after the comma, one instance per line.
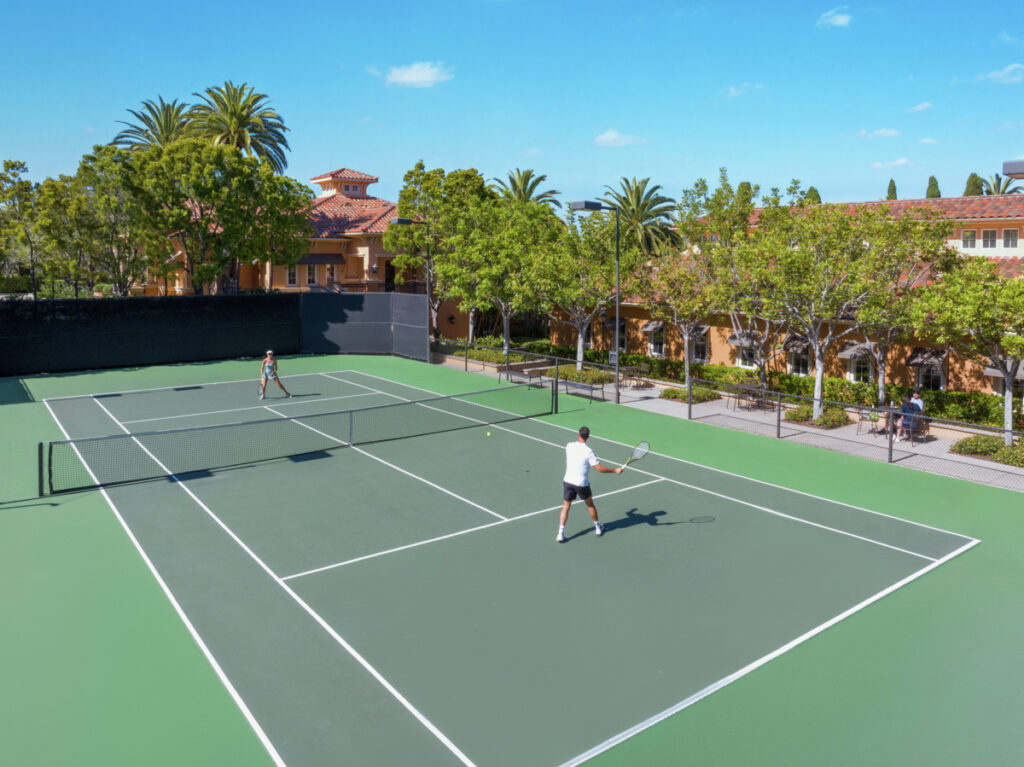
(342,174)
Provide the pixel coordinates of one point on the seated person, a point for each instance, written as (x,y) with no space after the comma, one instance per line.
(907,422)
(916,399)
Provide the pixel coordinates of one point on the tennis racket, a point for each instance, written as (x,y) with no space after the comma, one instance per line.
(641,449)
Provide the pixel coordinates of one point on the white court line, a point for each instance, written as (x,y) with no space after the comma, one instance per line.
(709,468)
(293,403)
(336,565)
(235,696)
(251,380)
(389,465)
(765,509)
(640,727)
(309,610)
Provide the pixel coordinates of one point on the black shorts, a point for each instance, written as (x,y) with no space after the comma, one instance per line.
(572,492)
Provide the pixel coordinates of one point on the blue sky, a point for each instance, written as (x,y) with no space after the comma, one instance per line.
(841,97)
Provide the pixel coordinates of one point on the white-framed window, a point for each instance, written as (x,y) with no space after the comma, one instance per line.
(349,188)
(293,276)
(656,344)
(932,378)
(311,274)
(330,273)
(699,348)
(800,363)
(1009,238)
(988,238)
(968,238)
(746,358)
(860,370)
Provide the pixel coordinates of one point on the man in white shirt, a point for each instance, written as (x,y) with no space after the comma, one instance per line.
(576,483)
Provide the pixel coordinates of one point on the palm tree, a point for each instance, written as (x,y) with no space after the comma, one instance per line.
(237,116)
(522,185)
(998,185)
(157,124)
(644,213)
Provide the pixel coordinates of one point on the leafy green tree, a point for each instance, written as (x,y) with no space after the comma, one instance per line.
(156,124)
(19,236)
(237,116)
(213,202)
(997,184)
(812,197)
(644,214)
(496,242)
(679,289)
(718,231)
(975,186)
(823,262)
(890,193)
(978,313)
(68,225)
(522,185)
(575,273)
(907,248)
(442,203)
(933,188)
(122,230)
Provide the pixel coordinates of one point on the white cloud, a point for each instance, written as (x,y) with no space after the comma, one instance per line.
(739,90)
(929,141)
(1008,75)
(924,105)
(422,74)
(612,137)
(903,161)
(1006,39)
(835,18)
(531,152)
(373,71)
(880,133)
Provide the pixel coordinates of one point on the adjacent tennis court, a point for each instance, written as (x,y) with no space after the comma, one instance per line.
(370,567)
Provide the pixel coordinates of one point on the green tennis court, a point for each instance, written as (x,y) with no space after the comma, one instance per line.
(370,571)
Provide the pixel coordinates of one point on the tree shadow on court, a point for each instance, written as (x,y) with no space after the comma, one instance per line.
(13,391)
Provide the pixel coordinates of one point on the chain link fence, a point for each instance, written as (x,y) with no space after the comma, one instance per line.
(923,442)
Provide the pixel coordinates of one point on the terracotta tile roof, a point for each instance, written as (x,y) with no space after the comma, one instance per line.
(974,208)
(1010,267)
(337,215)
(346,174)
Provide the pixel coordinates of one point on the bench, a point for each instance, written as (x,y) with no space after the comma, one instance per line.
(535,374)
(591,389)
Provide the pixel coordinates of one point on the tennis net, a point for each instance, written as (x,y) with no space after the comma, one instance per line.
(78,464)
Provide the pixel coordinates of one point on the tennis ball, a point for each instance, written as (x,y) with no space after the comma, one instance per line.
(488,434)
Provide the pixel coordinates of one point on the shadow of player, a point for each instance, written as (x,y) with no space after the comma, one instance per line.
(634,517)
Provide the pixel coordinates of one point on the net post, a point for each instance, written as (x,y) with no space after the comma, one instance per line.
(49,466)
(554,387)
(40,456)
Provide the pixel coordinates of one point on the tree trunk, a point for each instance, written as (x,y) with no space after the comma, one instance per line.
(1008,408)
(819,379)
(880,369)
(472,316)
(580,329)
(506,322)
(686,358)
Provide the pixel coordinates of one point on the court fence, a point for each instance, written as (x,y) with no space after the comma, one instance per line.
(869,432)
(82,334)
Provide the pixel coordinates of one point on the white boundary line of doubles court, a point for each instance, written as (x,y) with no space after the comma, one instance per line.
(299,601)
(699,465)
(235,696)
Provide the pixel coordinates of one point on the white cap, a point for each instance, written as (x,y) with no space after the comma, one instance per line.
(270,351)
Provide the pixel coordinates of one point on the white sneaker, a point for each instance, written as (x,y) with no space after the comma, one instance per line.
(560,537)
(261,396)
(599,529)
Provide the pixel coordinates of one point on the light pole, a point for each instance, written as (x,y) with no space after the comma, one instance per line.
(410,222)
(614,354)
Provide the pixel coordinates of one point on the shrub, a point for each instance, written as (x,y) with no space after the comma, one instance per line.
(586,376)
(979,444)
(801,413)
(832,418)
(1011,455)
(700,394)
